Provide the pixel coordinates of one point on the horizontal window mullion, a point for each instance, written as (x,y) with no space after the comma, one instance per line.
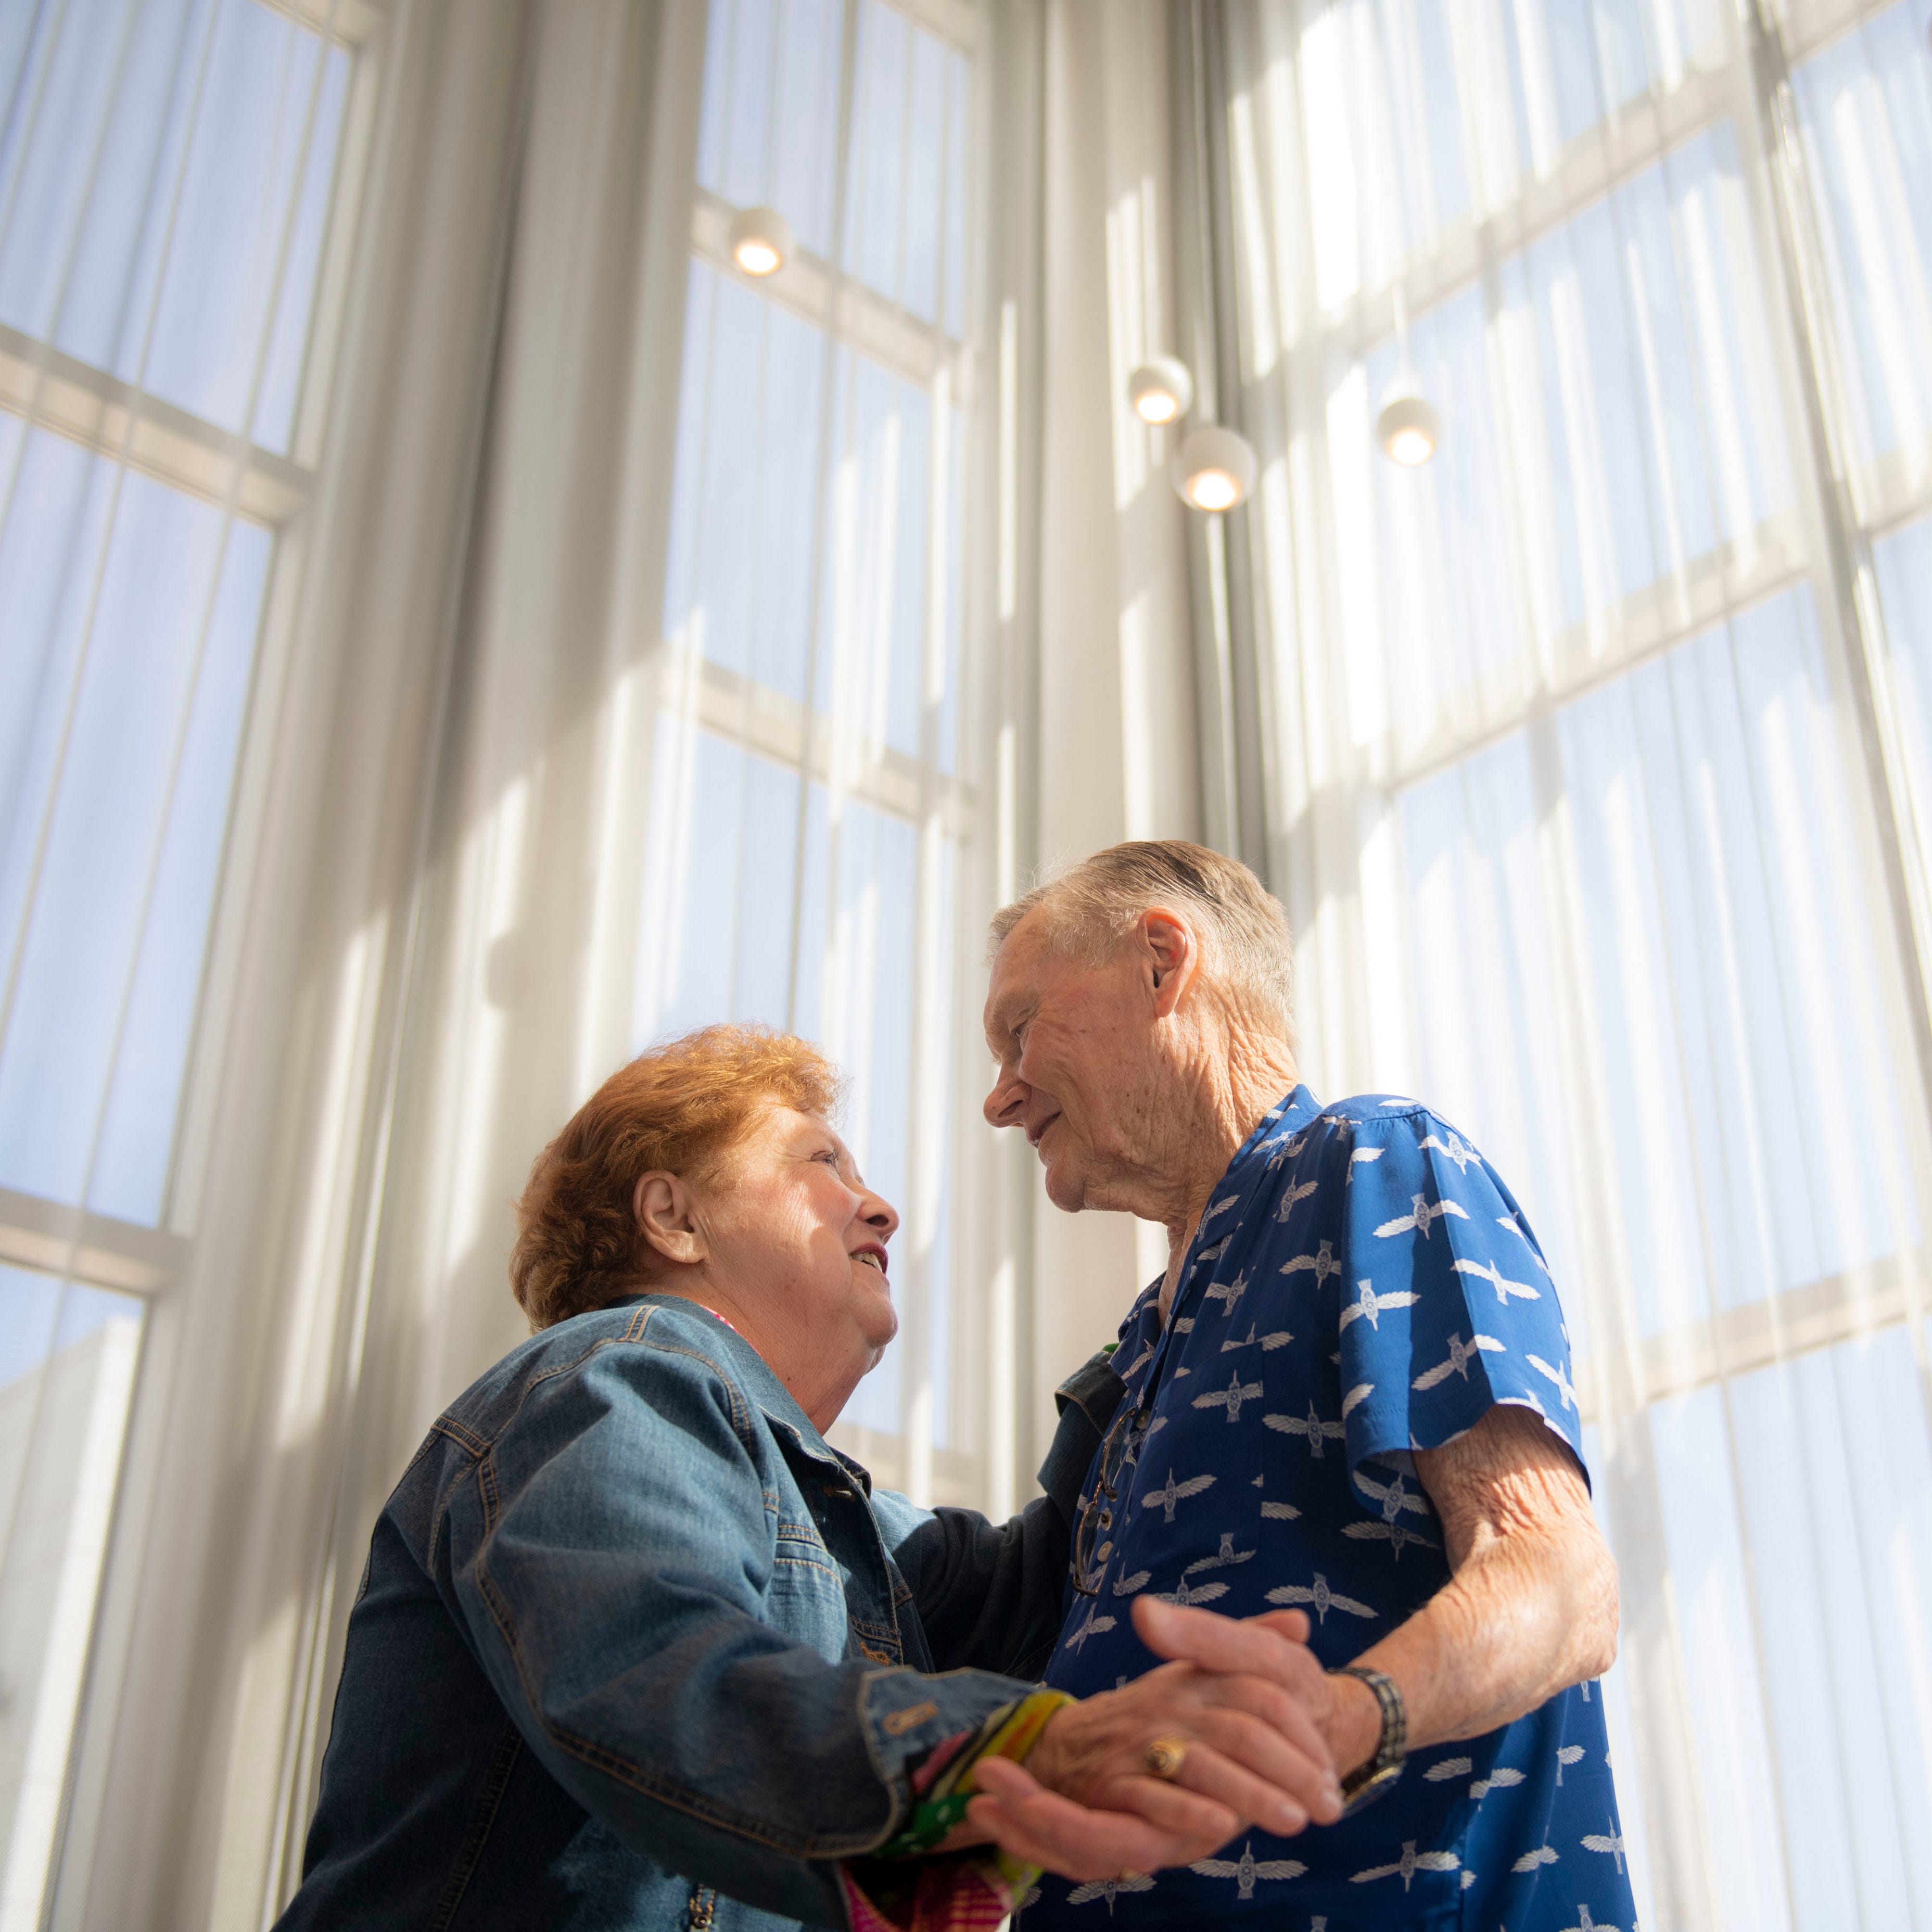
(73,399)
(1758,1334)
(779,727)
(55,1237)
(813,290)
(1708,595)
(1595,164)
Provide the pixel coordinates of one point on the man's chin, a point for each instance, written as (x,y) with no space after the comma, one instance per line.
(1066,1186)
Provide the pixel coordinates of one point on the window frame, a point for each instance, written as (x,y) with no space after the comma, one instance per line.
(936,804)
(1749,86)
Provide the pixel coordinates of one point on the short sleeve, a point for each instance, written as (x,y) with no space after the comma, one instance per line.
(1447,1307)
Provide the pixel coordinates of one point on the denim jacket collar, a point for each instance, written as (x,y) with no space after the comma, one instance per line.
(760,1382)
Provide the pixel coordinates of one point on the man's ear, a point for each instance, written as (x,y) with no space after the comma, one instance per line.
(1173,954)
(664,1208)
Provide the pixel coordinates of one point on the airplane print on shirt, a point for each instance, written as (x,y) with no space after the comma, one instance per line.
(1500,1281)
(1171,1493)
(1230,1398)
(1109,1888)
(1247,1869)
(1322,1264)
(1310,1427)
(1368,1305)
(1365,1289)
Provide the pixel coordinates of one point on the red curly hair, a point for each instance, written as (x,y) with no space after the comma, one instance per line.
(681,1107)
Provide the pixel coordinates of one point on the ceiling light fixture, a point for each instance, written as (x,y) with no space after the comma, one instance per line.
(1408,427)
(761,240)
(1215,469)
(1161,391)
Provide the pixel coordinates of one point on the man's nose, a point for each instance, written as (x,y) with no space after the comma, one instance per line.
(1004,1102)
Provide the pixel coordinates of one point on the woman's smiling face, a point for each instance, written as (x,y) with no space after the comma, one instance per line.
(795,1245)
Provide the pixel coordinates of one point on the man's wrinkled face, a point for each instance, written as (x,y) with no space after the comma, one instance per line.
(1073,1044)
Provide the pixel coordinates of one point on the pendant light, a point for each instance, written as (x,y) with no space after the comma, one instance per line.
(1214,469)
(761,240)
(1161,391)
(1409,427)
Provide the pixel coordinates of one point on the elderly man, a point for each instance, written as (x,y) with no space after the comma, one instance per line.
(1350,1394)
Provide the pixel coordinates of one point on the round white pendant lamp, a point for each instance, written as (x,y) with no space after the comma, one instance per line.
(761,240)
(1161,391)
(1408,428)
(1214,469)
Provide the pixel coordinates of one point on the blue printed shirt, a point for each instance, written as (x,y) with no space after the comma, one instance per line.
(1362,1284)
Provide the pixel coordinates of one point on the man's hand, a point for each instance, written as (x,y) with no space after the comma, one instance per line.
(1235,1694)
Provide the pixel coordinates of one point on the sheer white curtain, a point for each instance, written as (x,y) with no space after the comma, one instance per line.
(454,628)
(814,779)
(1597,753)
(176,185)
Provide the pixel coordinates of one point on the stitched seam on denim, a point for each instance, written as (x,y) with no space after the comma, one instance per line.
(694,1805)
(892,1777)
(461,1434)
(800,1532)
(441,1515)
(806,1563)
(502,1762)
(741,1413)
(638,1779)
(827,1458)
(487,1492)
(578,1361)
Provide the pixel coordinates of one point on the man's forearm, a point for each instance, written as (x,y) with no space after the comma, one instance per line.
(1531,1605)
(1525,1617)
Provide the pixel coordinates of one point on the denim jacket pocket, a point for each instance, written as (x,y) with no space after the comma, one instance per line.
(806,1597)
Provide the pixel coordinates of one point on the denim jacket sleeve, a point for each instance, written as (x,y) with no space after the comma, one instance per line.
(992,1596)
(610,1556)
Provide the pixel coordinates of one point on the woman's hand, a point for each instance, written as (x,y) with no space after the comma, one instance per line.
(1238,1695)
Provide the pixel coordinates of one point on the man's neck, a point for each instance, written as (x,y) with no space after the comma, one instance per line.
(1259,1069)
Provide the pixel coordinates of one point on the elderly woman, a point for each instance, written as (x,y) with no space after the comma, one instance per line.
(636,1648)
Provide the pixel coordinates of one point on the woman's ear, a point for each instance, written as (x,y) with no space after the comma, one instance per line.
(664,1211)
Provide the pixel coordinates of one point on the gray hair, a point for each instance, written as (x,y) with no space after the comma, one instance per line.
(1093,904)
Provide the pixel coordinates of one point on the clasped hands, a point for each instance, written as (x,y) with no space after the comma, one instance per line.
(1246,1699)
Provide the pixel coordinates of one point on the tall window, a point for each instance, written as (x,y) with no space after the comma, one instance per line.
(168,177)
(1589,841)
(808,790)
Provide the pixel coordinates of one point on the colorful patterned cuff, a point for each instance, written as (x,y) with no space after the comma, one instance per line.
(965,1891)
(944,1783)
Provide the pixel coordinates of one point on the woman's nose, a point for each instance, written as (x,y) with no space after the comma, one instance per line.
(882,1215)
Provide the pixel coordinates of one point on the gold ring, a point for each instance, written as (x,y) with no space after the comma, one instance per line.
(1165,1755)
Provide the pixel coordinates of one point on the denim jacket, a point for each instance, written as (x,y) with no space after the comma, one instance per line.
(636,1649)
